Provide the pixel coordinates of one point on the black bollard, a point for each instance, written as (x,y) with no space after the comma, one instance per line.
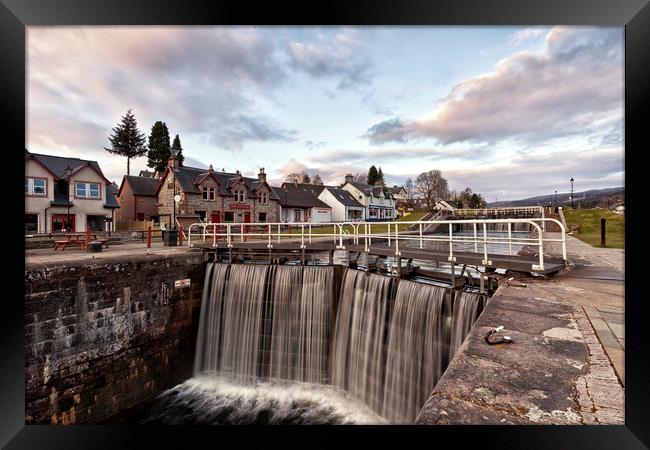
(602,231)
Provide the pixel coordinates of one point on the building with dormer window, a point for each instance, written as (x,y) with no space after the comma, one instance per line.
(213,196)
(378,201)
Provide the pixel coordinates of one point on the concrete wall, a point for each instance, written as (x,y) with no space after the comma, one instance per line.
(107,336)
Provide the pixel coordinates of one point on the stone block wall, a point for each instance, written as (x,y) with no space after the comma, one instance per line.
(104,337)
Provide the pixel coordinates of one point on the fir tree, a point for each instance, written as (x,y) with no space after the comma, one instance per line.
(127,140)
(158,147)
(380,177)
(177,143)
(373,175)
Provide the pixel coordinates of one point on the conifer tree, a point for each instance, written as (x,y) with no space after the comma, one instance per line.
(373,175)
(127,140)
(177,143)
(158,153)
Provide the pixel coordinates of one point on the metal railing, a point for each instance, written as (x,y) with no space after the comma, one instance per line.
(512,210)
(357,233)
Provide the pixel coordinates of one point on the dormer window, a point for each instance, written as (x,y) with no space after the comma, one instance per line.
(35,186)
(239,195)
(87,190)
(264,197)
(209,193)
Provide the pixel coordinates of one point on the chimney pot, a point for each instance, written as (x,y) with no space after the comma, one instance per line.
(261,176)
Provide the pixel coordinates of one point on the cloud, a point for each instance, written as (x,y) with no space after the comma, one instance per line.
(338,57)
(524,35)
(202,81)
(311,145)
(575,83)
(384,155)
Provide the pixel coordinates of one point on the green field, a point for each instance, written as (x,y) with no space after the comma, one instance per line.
(589,221)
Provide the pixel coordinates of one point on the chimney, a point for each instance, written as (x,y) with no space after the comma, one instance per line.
(261,176)
(210,170)
(349,178)
(237,172)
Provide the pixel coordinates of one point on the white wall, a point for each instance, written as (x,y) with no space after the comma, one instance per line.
(319,215)
(338,209)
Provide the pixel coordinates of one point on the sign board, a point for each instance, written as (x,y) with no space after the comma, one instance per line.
(182,283)
(242,206)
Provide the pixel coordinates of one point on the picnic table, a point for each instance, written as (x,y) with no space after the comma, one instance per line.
(79,239)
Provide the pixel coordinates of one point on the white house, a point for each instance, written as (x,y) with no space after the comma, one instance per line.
(299,202)
(66,194)
(379,204)
(344,207)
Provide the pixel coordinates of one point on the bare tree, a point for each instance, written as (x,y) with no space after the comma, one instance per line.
(432,186)
(316,179)
(360,178)
(409,189)
(294,177)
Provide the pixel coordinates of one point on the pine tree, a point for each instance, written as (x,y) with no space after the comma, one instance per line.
(158,147)
(305,178)
(127,140)
(380,176)
(373,175)
(177,143)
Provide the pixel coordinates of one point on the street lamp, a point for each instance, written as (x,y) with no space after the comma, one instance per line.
(174,153)
(571,180)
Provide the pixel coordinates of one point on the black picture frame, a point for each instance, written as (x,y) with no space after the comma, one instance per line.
(634,15)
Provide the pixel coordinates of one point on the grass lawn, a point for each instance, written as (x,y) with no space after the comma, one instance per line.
(589,221)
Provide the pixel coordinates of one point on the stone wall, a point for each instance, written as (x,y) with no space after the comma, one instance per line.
(104,337)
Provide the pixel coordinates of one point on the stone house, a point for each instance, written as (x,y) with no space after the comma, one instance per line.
(378,202)
(299,202)
(137,199)
(66,194)
(217,197)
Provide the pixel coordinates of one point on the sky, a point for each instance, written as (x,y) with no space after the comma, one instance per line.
(510,112)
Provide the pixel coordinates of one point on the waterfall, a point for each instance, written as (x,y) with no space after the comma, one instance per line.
(377,340)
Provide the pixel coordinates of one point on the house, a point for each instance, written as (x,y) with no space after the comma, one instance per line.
(137,199)
(399,192)
(66,194)
(299,202)
(442,205)
(344,206)
(208,195)
(378,202)
(147,174)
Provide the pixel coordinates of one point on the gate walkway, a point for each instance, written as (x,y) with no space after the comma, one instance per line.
(491,243)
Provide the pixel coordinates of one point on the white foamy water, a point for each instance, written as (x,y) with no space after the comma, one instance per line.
(213,400)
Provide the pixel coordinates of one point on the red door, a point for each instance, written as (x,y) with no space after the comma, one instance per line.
(215,217)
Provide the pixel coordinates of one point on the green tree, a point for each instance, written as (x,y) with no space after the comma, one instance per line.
(373,175)
(127,140)
(380,176)
(177,143)
(305,178)
(159,153)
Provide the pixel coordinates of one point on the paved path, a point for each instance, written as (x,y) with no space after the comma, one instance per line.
(597,284)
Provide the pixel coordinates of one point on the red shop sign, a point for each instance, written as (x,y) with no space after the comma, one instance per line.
(240,206)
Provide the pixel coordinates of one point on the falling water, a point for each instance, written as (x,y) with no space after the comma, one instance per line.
(268,334)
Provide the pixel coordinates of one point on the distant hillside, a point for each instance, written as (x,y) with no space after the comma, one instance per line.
(587,199)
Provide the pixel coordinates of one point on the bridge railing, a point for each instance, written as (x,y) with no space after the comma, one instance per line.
(394,234)
(510,210)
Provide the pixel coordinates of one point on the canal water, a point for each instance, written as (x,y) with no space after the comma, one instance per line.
(283,345)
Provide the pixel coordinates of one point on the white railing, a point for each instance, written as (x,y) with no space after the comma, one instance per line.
(512,210)
(357,233)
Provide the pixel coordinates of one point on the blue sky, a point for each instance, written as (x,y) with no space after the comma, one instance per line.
(508,111)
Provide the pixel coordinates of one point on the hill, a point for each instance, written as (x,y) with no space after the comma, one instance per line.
(604,198)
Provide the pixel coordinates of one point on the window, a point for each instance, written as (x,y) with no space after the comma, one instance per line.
(35,186)
(239,196)
(201,215)
(229,216)
(262,217)
(264,197)
(208,193)
(87,190)
(31,223)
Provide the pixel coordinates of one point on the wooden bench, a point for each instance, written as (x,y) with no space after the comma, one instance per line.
(61,244)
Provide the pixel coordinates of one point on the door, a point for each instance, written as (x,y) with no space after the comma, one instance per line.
(296,215)
(215,217)
(63,222)
(247,219)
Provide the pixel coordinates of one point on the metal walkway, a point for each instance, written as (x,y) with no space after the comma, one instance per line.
(504,248)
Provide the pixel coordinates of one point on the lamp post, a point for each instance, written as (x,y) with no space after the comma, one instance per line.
(174,153)
(571,180)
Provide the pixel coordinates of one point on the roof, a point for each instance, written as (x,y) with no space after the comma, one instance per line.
(342,196)
(367,189)
(146,173)
(397,189)
(301,195)
(143,186)
(57,165)
(188,177)
(111,199)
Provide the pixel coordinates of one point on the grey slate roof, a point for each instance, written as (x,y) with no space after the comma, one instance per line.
(143,186)
(301,195)
(146,173)
(377,191)
(111,199)
(58,164)
(343,196)
(188,176)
